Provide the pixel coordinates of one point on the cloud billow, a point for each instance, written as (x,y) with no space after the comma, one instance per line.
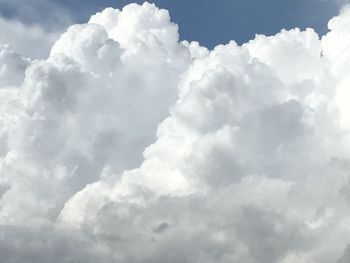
(126,145)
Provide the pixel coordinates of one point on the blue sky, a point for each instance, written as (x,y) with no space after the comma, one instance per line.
(214,22)
(207,21)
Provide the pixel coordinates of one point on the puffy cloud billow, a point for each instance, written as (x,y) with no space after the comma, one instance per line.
(128,145)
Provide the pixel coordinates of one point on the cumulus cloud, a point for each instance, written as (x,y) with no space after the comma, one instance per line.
(126,145)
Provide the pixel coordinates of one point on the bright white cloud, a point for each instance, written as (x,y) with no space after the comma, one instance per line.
(126,145)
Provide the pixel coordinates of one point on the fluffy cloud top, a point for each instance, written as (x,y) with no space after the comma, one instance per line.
(126,145)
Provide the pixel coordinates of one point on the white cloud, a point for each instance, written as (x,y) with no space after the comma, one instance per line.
(29,40)
(13,66)
(126,145)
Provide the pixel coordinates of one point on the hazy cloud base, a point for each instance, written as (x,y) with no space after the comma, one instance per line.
(126,145)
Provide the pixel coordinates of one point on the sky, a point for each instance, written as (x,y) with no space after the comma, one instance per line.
(209,22)
(138,134)
(216,22)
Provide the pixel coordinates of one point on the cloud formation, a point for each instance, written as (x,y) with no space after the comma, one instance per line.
(126,145)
